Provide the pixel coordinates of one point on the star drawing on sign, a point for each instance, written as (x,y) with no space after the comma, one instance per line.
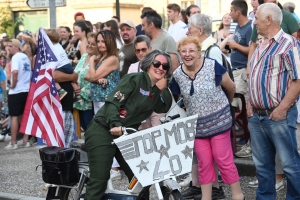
(142,166)
(163,152)
(187,152)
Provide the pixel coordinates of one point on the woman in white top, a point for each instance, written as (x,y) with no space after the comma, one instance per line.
(223,32)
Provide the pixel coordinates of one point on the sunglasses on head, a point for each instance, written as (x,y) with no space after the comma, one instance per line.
(157,64)
(144,50)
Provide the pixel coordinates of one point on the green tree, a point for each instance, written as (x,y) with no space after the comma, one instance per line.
(8,23)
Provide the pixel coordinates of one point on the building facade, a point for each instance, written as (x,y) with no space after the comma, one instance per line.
(103,10)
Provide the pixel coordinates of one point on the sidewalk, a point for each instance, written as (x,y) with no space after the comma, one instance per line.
(7,196)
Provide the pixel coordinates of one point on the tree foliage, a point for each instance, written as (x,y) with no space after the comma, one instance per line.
(8,23)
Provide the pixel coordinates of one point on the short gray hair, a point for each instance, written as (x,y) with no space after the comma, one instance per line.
(271,9)
(289,6)
(142,38)
(150,57)
(201,21)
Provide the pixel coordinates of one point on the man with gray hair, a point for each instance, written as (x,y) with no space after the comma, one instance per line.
(160,39)
(290,7)
(274,86)
(200,26)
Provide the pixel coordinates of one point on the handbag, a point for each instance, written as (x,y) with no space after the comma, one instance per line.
(60,165)
(175,109)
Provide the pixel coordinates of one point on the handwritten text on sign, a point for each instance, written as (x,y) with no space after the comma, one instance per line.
(158,153)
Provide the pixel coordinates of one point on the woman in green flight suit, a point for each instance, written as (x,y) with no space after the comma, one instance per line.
(132,102)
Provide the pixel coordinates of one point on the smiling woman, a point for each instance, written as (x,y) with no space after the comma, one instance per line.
(200,80)
(133,100)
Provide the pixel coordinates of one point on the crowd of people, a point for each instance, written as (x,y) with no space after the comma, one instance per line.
(115,74)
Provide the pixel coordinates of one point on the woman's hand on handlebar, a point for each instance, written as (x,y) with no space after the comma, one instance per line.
(116,131)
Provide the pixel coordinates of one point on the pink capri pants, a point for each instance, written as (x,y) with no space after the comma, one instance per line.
(216,149)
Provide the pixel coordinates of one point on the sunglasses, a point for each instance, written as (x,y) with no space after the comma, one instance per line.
(144,50)
(157,64)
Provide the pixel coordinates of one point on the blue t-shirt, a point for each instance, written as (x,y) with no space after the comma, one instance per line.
(2,78)
(139,30)
(242,36)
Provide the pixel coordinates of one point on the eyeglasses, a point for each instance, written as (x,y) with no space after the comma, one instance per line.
(143,50)
(157,64)
(91,44)
(190,51)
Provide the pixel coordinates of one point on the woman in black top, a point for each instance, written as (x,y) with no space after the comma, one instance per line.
(65,35)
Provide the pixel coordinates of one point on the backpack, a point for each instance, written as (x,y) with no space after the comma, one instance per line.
(225,62)
(227,65)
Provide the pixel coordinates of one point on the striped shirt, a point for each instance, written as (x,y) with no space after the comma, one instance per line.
(272,70)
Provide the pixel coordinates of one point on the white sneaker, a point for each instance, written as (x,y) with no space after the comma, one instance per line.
(2,137)
(186,181)
(7,138)
(279,186)
(115,175)
(11,146)
(253,184)
(21,143)
(244,152)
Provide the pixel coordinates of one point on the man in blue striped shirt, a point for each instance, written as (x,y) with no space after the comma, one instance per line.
(274,86)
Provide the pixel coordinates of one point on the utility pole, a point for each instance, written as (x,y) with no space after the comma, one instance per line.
(118,9)
(199,4)
(52,8)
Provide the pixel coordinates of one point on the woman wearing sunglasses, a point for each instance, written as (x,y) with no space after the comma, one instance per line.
(134,99)
(207,90)
(142,46)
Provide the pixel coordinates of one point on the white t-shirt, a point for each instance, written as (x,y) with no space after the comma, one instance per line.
(119,44)
(177,30)
(21,63)
(61,55)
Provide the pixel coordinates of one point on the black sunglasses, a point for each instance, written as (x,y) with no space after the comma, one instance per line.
(157,64)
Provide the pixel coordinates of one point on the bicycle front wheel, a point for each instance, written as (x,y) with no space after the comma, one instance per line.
(171,194)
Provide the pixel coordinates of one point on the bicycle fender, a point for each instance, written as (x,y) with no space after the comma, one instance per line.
(170,183)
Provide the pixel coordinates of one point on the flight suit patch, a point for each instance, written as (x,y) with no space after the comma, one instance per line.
(123,113)
(119,96)
(152,96)
(144,93)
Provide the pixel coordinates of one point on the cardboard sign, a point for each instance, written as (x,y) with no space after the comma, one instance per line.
(160,152)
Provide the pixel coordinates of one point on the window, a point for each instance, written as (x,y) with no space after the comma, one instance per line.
(186,3)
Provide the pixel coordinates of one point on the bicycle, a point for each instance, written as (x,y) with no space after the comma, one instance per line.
(166,188)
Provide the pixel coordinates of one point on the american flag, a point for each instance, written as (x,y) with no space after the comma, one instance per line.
(42,116)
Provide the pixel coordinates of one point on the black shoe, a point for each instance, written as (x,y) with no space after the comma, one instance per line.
(217,194)
(191,192)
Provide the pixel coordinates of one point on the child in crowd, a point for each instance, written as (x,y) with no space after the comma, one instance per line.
(64,63)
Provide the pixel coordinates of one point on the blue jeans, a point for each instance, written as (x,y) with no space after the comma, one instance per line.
(267,137)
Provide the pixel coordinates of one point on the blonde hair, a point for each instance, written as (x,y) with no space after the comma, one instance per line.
(53,35)
(189,40)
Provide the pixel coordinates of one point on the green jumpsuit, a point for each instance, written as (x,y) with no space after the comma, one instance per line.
(132,102)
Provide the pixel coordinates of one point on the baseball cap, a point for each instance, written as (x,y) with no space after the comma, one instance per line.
(16,43)
(128,23)
(78,14)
